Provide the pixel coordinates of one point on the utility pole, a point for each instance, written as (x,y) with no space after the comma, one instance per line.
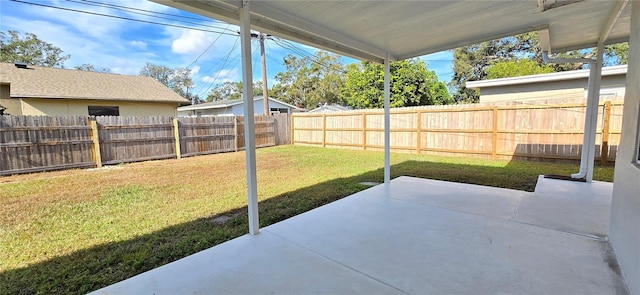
(265,92)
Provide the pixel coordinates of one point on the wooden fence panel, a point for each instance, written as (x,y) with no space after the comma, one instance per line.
(457,131)
(40,143)
(343,131)
(539,132)
(133,139)
(264,131)
(207,135)
(307,129)
(282,129)
(32,144)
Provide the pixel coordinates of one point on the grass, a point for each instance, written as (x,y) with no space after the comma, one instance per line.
(78,230)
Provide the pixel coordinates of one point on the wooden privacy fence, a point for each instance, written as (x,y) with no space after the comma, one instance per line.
(41,143)
(27,144)
(499,132)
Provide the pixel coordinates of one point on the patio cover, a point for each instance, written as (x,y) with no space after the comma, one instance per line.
(368,30)
(382,31)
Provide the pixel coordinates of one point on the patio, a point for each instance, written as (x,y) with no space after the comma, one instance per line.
(415,236)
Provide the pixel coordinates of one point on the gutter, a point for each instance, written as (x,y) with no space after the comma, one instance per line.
(591,114)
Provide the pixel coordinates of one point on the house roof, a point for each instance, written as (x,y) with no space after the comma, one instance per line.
(220,104)
(370,30)
(540,78)
(329,108)
(44,82)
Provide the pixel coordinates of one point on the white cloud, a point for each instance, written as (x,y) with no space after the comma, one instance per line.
(222,76)
(195,70)
(191,42)
(138,44)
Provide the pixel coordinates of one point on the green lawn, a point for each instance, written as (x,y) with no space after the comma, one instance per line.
(78,230)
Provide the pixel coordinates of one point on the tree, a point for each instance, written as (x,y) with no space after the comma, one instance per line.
(226,91)
(617,54)
(178,80)
(29,49)
(516,68)
(310,81)
(91,68)
(231,90)
(412,84)
(471,62)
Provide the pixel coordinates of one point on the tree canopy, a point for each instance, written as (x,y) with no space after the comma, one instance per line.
(412,84)
(322,79)
(502,58)
(178,80)
(29,49)
(91,68)
(231,90)
(311,80)
(515,68)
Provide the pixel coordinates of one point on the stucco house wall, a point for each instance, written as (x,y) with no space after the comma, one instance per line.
(258,107)
(43,91)
(232,108)
(624,233)
(79,107)
(563,87)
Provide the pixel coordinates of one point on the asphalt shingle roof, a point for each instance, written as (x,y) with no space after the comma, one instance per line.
(46,82)
(218,104)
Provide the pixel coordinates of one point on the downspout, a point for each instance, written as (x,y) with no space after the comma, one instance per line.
(593,97)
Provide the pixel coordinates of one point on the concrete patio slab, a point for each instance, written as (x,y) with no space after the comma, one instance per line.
(264,264)
(405,238)
(577,207)
(468,198)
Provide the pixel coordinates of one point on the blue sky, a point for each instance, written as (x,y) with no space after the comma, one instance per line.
(125,46)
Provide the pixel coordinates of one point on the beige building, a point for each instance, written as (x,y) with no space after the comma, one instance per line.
(31,90)
(562,87)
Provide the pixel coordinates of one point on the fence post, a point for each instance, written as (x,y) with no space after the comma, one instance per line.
(324,130)
(364,131)
(604,151)
(273,128)
(291,130)
(176,136)
(95,146)
(235,133)
(418,132)
(494,136)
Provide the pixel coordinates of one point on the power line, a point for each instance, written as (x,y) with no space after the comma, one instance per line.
(201,54)
(138,9)
(292,45)
(298,51)
(235,45)
(271,58)
(145,14)
(121,17)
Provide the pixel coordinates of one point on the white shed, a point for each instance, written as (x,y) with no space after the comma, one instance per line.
(234,108)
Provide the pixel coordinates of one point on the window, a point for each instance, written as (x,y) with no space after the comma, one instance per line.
(279,111)
(104,111)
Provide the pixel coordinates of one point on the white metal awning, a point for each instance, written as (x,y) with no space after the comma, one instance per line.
(404,29)
(382,31)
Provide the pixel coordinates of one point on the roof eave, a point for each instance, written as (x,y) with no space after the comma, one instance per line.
(541,78)
(279,24)
(95,98)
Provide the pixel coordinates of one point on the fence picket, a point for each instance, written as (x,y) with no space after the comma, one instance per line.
(539,132)
(42,143)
